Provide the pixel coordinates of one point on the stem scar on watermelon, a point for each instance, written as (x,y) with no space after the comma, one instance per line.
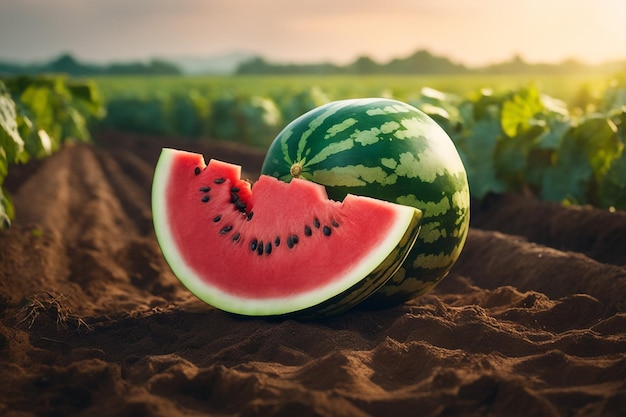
(274,248)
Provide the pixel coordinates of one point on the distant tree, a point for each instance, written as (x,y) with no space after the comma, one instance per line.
(256,65)
(162,67)
(363,65)
(421,62)
(517,65)
(9,68)
(424,62)
(67,64)
(154,67)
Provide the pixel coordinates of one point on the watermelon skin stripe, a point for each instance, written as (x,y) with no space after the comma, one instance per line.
(392,151)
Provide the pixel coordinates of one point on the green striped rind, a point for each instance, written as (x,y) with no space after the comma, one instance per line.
(370,284)
(389,150)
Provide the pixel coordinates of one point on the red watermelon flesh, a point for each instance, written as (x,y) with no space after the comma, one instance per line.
(275,248)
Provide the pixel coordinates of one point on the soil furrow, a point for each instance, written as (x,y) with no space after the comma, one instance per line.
(493,259)
(128,177)
(98,219)
(599,234)
(42,199)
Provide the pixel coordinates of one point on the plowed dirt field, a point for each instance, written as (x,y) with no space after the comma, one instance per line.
(531,321)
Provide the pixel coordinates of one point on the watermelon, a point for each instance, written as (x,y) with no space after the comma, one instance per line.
(389,150)
(273,248)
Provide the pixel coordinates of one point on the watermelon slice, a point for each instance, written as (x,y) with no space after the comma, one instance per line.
(276,248)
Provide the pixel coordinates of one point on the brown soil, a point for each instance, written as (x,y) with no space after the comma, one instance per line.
(531,321)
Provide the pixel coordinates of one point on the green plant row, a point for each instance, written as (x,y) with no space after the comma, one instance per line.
(526,141)
(516,140)
(248,118)
(36,116)
(253,109)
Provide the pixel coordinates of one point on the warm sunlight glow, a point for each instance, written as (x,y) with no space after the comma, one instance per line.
(473,33)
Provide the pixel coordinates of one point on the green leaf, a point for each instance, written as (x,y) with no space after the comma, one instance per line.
(84,91)
(568,180)
(597,138)
(86,96)
(552,136)
(75,126)
(512,154)
(615,96)
(618,117)
(6,209)
(39,102)
(442,107)
(539,162)
(4,165)
(10,139)
(612,187)
(486,106)
(477,151)
(585,155)
(518,113)
(553,107)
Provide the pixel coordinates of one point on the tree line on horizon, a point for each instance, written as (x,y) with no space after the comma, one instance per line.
(423,62)
(67,64)
(420,62)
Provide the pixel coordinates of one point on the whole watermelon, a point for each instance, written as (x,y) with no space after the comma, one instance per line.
(389,150)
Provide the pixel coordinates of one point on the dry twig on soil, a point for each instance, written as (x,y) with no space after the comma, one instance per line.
(53,306)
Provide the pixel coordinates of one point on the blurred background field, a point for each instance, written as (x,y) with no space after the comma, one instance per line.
(576,89)
(253,108)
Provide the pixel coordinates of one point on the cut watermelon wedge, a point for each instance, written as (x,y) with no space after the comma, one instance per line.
(276,248)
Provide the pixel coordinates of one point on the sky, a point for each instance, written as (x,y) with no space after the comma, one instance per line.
(472,32)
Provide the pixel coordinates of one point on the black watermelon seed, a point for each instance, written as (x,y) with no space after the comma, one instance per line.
(197,170)
(205,198)
(217,218)
(259,249)
(295,239)
(205,189)
(316,223)
(226,229)
(234,189)
(236,236)
(327,230)
(240,205)
(277,241)
(307,230)
(253,245)
(219,180)
(234,198)
(290,242)
(268,248)
(249,217)
(335,224)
